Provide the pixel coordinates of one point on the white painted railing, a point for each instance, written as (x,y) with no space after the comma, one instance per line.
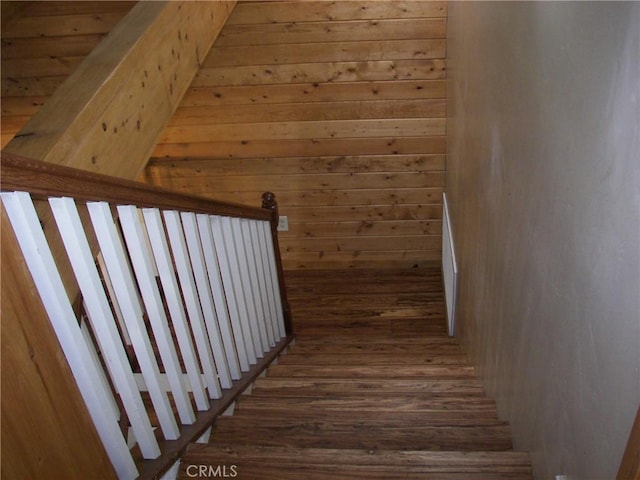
(179,306)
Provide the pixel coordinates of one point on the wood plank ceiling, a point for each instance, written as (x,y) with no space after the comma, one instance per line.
(42,43)
(338,108)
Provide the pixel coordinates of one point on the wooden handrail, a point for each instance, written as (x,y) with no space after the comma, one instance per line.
(43,180)
(172,450)
(46,179)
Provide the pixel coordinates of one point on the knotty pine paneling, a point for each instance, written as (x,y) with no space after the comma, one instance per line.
(339,109)
(42,43)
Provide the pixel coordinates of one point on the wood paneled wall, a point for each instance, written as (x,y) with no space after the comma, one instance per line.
(42,43)
(338,108)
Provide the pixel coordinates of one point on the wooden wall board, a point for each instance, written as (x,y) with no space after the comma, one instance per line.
(42,47)
(294,11)
(362,244)
(344,198)
(36,67)
(373,50)
(394,127)
(330,197)
(192,167)
(313,92)
(338,71)
(298,112)
(356,259)
(310,147)
(308,182)
(349,30)
(56,7)
(364,228)
(42,44)
(31,86)
(337,107)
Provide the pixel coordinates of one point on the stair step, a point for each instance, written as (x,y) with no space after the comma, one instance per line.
(396,348)
(294,463)
(370,417)
(372,386)
(373,389)
(386,403)
(365,327)
(361,340)
(373,371)
(335,434)
(374,359)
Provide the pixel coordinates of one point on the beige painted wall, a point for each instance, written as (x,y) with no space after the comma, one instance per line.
(543,178)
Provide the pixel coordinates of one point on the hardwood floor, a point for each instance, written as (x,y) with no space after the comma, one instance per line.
(373,389)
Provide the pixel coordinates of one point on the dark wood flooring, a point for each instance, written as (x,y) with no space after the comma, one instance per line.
(372,389)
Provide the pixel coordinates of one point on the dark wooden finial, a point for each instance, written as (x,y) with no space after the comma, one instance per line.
(269,200)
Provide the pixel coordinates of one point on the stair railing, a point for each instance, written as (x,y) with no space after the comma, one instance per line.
(183,300)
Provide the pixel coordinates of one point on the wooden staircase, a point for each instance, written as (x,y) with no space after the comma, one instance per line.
(372,389)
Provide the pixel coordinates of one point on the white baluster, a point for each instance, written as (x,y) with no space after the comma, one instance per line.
(262,267)
(102,321)
(126,292)
(112,296)
(243,283)
(192,300)
(167,274)
(274,279)
(221,312)
(236,283)
(43,269)
(142,264)
(198,264)
(259,326)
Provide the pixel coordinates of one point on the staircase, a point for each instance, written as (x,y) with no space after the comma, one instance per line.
(373,389)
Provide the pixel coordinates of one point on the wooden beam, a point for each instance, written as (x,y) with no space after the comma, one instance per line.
(107,116)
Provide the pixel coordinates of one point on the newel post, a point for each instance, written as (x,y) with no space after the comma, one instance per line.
(269,202)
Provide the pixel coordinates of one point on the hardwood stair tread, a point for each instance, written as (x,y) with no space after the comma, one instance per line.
(334,434)
(358,340)
(374,403)
(373,388)
(373,371)
(426,460)
(368,417)
(465,387)
(377,349)
(374,359)
(259,462)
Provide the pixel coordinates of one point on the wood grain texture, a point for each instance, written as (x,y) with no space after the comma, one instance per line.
(42,44)
(110,110)
(354,400)
(337,107)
